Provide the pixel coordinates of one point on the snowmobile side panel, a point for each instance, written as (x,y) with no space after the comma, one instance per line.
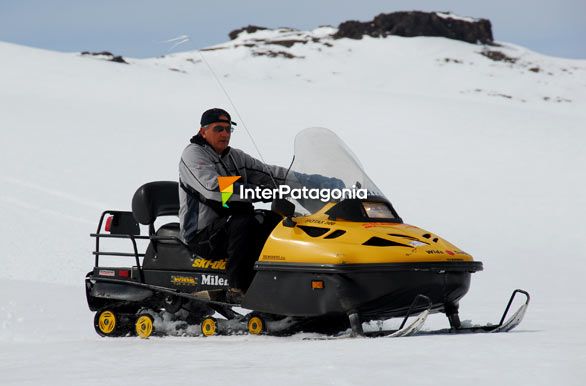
(187,281)
(372,294)
(167,255)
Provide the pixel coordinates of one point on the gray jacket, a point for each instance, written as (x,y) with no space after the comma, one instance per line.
(200,199)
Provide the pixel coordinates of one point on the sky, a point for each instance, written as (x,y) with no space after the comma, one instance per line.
(140,28)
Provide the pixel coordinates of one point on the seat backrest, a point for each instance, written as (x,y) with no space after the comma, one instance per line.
(154,199)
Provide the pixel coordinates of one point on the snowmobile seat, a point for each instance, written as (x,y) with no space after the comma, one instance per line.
(165,251)
(168,230)
(168,253)
(155,199)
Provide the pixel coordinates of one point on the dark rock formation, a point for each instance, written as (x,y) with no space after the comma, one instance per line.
(111,57)
(276,54)
(250,29)
(416,23)
(498,56)
(287,43)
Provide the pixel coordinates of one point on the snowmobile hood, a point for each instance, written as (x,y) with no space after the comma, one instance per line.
(316,239)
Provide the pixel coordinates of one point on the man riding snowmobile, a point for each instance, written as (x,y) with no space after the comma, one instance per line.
(210,226)
(347,260)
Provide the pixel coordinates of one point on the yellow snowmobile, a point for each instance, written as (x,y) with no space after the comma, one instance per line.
(333,260)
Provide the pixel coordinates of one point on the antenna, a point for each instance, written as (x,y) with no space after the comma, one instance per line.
(179,40)
(184,39)
(233,106)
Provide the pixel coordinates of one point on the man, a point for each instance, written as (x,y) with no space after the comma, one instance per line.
(207,227)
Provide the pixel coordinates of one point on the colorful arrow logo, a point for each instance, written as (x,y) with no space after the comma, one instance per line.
(227,188)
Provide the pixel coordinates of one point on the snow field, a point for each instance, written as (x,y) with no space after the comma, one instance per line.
(499,177)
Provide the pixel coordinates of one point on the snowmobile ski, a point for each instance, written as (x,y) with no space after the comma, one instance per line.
(503,326)
(412,329)
(403,330)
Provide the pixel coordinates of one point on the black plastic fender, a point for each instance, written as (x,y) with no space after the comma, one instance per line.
(117,291)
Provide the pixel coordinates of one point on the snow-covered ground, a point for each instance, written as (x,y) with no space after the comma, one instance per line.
(489,154)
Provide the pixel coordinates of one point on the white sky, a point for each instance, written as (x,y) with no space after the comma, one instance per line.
(137,28)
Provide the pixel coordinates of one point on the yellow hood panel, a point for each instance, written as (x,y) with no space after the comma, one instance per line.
(385,243)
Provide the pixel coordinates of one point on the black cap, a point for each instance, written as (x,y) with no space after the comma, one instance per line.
(213,115)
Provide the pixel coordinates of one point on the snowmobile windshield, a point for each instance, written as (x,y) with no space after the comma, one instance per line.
(326,170)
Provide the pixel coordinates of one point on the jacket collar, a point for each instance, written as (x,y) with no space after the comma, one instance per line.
(199,140)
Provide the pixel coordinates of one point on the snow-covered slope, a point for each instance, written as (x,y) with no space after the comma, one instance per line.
(487,153)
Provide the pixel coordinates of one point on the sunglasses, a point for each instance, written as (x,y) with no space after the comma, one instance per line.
(219,129)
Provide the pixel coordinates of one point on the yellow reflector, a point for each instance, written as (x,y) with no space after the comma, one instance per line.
(317,284)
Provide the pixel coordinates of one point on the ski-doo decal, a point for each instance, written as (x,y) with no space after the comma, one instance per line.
(205,263)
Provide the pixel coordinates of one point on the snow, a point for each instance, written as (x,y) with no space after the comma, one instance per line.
(468,148)
(449,15)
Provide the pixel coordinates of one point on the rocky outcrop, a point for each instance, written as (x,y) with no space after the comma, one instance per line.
(105,55)
(498,56)
(416,23)
(249,29)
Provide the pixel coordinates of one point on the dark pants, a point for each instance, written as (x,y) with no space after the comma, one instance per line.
(239,238)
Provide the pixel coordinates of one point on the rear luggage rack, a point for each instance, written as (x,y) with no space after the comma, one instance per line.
(124,226)
(132,237)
